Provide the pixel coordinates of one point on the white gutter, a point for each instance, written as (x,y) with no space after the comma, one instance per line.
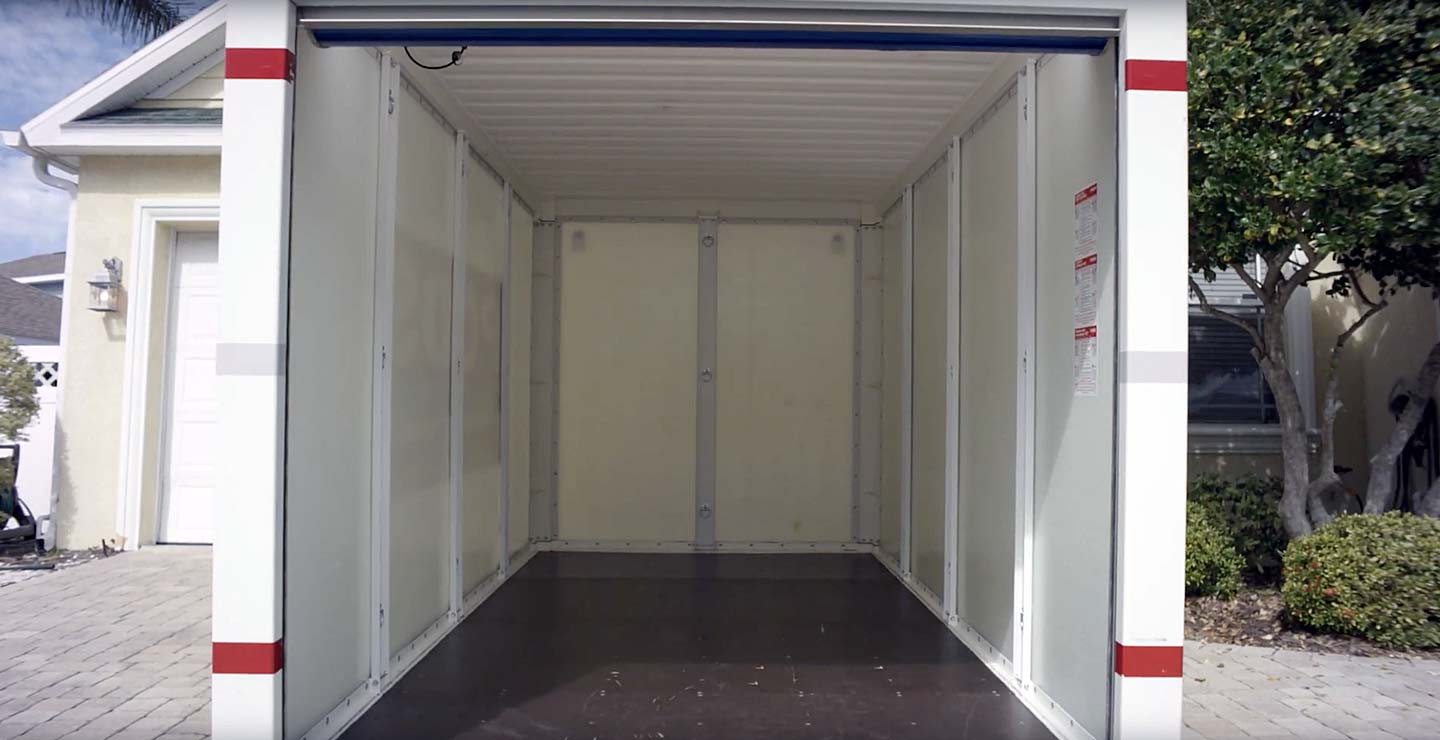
(41,162)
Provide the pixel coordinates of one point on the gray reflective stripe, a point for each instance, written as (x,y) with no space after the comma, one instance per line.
(1154,367)
(233,358)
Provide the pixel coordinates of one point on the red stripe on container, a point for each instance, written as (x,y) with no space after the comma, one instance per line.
(254,658)
(260,64)
(1155,74)
(1149,661)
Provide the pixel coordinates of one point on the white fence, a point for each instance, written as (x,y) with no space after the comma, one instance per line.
(37,450)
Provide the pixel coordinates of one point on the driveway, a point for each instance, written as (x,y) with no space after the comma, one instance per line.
(1254,692)
(116,648)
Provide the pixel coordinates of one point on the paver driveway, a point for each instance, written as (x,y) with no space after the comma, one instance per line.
(1254,692)
(115,648)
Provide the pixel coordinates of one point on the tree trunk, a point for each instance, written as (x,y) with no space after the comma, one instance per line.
(1294,442)
(1327,492)
(1380,494)
(1430,504)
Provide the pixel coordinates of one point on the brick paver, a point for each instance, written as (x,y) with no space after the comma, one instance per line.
(118,647)
(1254,692)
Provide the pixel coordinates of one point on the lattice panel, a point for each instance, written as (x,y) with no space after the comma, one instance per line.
(47,374)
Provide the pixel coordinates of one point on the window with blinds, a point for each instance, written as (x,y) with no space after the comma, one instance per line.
(1225,382)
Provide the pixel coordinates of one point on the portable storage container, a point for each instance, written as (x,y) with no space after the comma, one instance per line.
(783,369)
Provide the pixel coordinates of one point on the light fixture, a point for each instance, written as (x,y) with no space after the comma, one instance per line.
(105,287)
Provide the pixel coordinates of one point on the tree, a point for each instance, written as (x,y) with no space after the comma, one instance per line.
(134,19)
(1314,129)
(18,402)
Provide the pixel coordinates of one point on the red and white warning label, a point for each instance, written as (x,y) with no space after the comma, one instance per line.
(1086,361)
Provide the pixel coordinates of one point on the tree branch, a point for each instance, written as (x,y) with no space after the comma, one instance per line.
(1209,310)
(1255,287)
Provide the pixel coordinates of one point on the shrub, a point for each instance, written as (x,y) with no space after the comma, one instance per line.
(1212,566)
(1249,509)
(1376,576)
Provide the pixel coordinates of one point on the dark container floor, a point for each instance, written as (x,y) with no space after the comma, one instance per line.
(585,645)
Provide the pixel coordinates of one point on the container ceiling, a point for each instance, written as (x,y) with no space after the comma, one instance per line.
(799,124)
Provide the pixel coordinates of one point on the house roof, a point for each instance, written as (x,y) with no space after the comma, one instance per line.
(28,314)
(37,264)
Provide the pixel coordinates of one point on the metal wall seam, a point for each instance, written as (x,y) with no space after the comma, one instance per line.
(555,238)
(457,379)
(708,243)
(381,366)
(950,588)
(907,364)
(507,311)
(858,337)
(1025,395)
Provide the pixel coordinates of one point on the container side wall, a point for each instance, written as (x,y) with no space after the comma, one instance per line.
(928,463)
(985,569)
(420,401)
(328,406)
(484,280)
(1074,473)
(784,383)
(522,237)
(628,308)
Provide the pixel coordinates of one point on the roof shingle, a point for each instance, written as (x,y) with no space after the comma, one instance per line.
(28,313)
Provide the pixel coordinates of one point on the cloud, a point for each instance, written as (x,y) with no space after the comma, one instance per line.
(33,216)
(45,54)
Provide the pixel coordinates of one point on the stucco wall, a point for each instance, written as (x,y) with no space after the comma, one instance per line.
(1389,348)
(88,427)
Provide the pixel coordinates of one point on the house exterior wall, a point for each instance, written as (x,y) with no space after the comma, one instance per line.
(88,428)
(1387,350)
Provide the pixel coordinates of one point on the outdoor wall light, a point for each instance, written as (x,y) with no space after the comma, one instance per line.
(105,287)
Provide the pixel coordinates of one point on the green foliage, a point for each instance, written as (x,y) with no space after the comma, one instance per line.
(1376,576)
(18,402)
(1316,123)
(1212,566)
(1248,509)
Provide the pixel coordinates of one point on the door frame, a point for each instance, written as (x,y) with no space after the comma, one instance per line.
(156,222)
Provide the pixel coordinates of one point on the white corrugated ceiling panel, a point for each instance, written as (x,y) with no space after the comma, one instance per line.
(723,123)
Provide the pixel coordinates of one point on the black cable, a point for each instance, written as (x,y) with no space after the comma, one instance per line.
(454,59)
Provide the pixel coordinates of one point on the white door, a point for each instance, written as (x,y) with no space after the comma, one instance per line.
(191,441)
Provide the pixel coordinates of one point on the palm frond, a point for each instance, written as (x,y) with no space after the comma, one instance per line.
(140,20)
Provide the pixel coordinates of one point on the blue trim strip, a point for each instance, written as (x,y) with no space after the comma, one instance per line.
(762,39)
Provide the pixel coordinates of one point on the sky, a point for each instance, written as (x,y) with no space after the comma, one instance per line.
(46,53)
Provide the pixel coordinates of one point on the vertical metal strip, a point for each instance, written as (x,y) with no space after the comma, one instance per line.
(1025,377)
(381,365)
(556,231)
(709,246)
(457,380)
(907,372)
(951,589)
(507,335)
(855,381)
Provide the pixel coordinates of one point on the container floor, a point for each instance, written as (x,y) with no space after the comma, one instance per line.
(588,645)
